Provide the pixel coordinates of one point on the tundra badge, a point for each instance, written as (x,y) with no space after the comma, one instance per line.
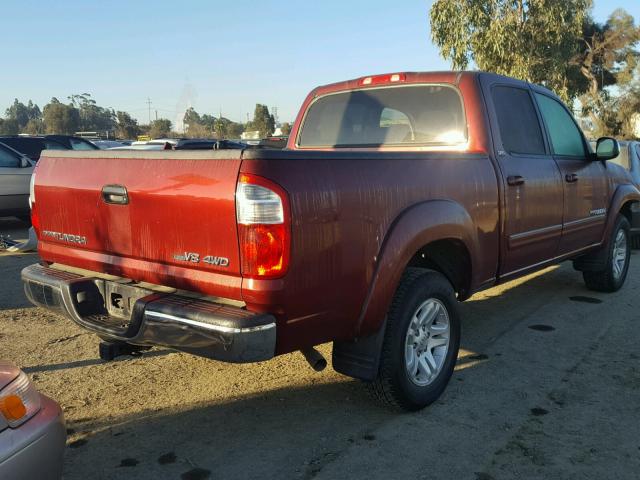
(65,237)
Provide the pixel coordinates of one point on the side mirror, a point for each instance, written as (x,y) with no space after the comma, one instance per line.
(607,148)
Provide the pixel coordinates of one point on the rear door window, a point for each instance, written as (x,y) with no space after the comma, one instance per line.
(517,120)
(8,159)
(49,145)
(402,116)
(566,139)
(80,144)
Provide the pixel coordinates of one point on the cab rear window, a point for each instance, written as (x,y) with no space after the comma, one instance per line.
(391,116)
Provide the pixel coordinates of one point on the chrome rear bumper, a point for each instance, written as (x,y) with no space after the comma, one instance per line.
(199,327)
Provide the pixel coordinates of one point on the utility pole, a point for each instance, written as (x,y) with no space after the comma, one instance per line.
(149,104)
(156,115)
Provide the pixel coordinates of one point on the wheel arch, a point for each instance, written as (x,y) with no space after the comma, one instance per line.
(622,201)
(437,234)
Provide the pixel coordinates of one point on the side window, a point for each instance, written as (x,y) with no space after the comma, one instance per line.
(7,159)
(566,138)
(519,127)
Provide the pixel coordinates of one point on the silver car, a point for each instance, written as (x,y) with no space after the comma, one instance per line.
(15,175)
(32,430)
(629,158)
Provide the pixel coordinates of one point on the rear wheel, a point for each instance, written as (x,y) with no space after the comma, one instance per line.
(613,276)
(421,342)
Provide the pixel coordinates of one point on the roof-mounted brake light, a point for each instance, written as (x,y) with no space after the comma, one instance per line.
(382,79)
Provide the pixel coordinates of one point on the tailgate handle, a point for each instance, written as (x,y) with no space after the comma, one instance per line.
(115,194)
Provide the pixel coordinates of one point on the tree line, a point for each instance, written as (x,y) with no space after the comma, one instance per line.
(82,113)
(208,126)
(593,66)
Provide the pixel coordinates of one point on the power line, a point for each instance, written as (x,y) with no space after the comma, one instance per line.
(149,105)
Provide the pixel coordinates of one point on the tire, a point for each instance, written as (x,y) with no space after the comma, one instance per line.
(403,382)
(618,247)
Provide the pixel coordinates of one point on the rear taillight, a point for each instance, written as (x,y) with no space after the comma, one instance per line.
(35,220)
(264,229)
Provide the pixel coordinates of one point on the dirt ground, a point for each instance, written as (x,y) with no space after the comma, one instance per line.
(547,386)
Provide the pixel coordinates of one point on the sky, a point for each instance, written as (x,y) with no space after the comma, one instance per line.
(219,56)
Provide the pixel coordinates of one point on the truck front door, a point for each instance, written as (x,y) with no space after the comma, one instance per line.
(585,182)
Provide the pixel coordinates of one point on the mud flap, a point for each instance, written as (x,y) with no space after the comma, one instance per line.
(594,261)
(359,358)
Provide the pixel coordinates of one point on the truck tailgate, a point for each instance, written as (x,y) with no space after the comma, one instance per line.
(176,227)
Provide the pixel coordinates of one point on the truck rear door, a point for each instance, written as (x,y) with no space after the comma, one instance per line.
(532,209)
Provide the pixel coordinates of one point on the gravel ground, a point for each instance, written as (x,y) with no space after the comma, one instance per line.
(547,386)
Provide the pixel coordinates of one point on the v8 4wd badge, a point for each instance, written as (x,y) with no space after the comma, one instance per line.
(187,257)
(195,258)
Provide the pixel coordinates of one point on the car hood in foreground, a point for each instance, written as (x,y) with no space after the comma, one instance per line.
(8,373)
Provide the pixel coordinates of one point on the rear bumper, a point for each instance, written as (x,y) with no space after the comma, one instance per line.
(199,327)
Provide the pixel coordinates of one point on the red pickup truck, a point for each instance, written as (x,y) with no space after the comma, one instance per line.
(397,196)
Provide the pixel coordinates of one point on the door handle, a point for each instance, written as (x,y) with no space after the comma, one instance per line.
(571,177)
(514,180)
(115,194)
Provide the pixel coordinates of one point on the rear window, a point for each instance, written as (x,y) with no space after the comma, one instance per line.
(407,115)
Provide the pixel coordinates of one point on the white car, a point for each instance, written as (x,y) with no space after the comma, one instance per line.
(15,175)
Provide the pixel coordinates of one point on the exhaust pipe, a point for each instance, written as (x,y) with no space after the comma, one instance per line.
(315,359)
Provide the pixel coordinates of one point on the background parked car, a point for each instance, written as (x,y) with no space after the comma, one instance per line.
(629,158)
(184,144)
(106,144)
(72,143)
(32,429)
(15,174)
(32,145)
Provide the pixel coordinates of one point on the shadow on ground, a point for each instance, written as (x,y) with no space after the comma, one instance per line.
(11,291)
(294,431)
